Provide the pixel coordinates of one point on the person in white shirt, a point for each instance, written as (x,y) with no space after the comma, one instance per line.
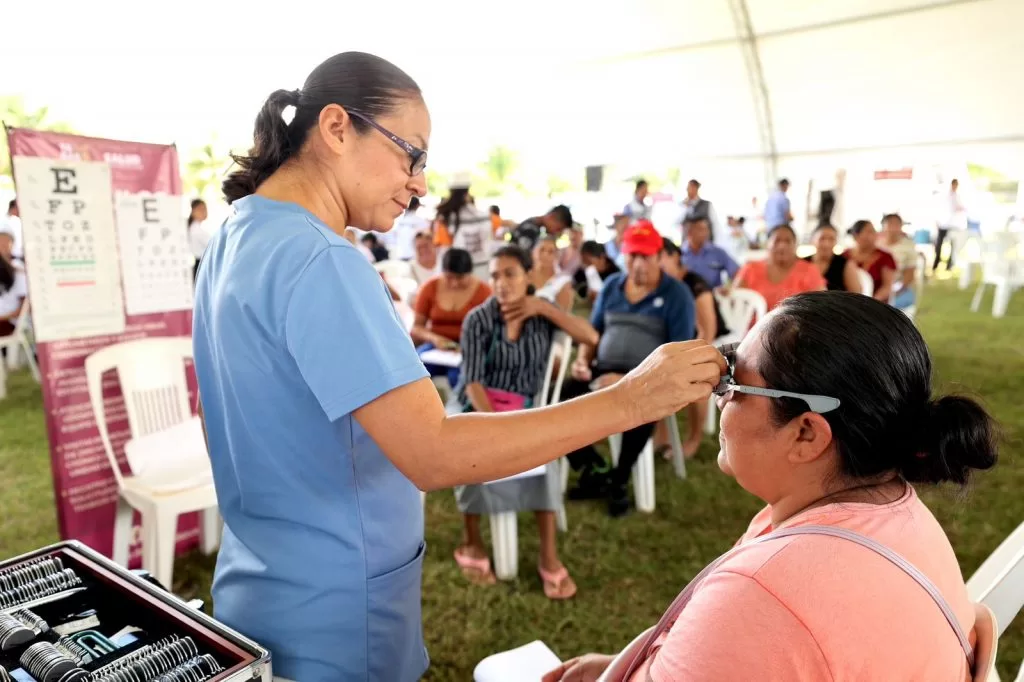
(953,216)
(637,209)
(198,234)
(468,227)
(13,287)
(12,225)
(404,232)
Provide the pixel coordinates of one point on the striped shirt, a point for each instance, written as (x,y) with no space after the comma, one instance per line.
(489,358)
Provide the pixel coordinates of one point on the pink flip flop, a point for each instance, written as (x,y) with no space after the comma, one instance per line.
(476,570)
(558,584)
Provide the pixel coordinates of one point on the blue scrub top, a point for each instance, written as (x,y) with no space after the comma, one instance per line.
(323,543)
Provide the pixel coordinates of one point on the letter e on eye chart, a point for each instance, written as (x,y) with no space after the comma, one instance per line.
(72,265)
(154,253)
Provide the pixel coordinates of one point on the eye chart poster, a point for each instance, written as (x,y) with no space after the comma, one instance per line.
(154,253)
(75,276)
(85,489)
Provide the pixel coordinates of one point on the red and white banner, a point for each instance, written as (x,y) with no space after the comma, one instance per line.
(84,484)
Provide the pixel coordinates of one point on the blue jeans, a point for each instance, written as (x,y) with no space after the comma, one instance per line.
(904,299)
(452,373)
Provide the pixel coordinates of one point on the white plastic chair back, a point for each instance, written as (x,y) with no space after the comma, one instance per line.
(16,343)
(561,347)
(740,308)
(999,581)
(867,285)
(394,270)
(152,377)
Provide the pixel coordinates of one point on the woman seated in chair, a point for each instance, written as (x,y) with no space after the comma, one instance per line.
(782,274)
(710,326)
(13,287)
(876,262)
(840,272)
(441,306)
(547,281)
(828,417)
(506,343)
(904,254)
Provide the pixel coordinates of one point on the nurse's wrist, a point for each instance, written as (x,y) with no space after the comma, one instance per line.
(622,410)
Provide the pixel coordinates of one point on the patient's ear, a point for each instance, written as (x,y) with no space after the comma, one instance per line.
(812,437)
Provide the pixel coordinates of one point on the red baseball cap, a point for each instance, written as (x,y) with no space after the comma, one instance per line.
(641,238)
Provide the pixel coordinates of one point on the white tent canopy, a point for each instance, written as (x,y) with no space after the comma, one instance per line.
(844,78)
(741,88)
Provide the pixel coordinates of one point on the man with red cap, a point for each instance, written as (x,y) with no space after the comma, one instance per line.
(637,311)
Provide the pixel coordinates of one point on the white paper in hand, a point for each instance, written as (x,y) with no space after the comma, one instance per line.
(444,358)
(528,663)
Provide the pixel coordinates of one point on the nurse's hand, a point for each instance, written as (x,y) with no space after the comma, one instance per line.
(583,669)
(672,377)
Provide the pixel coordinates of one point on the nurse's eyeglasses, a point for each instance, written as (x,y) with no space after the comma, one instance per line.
(819,404)
(417,156)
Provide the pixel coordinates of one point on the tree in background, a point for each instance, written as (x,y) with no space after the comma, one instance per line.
(497,173)
(560,185)
(204,170)
(15,115)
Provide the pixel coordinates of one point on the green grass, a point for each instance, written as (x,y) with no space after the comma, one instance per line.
(627,570)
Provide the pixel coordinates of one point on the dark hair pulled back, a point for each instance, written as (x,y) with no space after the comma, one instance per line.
(457,262)
(356,81)
(873,359)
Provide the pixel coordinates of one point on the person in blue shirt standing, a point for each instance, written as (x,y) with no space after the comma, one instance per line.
(636,312)
(320,419)
(704,257)
(777,209)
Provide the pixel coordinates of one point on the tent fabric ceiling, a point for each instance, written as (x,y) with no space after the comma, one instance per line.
(842,77)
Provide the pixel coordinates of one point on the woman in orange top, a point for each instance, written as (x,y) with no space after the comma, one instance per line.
(782,274)
(442,303)
(858,426)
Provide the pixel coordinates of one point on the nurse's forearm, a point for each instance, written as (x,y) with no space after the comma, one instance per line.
(475,448)
(437,451)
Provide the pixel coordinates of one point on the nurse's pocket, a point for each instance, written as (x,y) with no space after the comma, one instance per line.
(395,623)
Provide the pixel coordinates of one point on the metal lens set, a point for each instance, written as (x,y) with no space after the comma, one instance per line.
(74,650)
(25,573)
(171,659)
(195,670)
(38,587)
(46,663)
(31,621)
(13,633)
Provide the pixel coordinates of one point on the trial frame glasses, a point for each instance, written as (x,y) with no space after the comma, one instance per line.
(819,404)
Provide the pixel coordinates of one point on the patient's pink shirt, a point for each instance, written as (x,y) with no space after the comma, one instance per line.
(823,608)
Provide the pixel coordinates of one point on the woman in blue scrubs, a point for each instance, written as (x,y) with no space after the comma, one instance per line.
(320,418)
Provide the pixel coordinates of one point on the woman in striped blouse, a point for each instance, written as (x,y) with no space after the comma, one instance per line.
(505,346)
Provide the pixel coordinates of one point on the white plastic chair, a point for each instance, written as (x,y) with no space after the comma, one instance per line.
(1000,267)
(999,584)
(394,270)
(867,285)
(15,342)
(739,310)
(504,526)
(152,378)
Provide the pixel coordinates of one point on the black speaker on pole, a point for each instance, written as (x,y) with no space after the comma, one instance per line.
(595,178)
